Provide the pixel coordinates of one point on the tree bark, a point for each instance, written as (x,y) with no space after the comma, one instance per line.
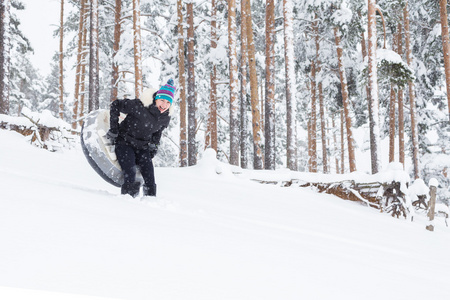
(93,59)
(234,84)
(373,87)
(79,62)
(345,101)
(342,142)
(336,159)
(401,123)
(445,46)
(61,62)
(412,102)
(5,58)
(269,124)
(322,129)
(256,117)
(313,118)
(137,48)
(373,145)
(291,103)
(192,121)
(116,47)
(431,209)
(182,86)
(84,54)
(243,94)
(313,122)
(392,108)
(392,124)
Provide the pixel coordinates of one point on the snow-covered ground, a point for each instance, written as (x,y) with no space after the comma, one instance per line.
(67,234)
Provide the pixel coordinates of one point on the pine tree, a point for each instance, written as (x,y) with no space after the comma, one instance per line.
(346,104)
(192,121)
(445,46)
(270,87)
(234,85)
(312,132)
(5,59)
(137,49)
(291,103)
(243,94)
(94,84)
(256,117)
(411,93)
(61,63)
(116,47)
(81,26)
(182,85)
(373,88)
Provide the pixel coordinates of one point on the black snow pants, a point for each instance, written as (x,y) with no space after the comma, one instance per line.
(129,158)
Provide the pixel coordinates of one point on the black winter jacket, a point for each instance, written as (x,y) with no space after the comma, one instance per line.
(142,126)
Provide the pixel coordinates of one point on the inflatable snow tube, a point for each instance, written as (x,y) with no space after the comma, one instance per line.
(98,150)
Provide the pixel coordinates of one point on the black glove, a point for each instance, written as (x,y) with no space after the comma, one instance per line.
(153,150)
(111,136)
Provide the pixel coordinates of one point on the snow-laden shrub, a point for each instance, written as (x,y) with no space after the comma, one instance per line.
(437,166)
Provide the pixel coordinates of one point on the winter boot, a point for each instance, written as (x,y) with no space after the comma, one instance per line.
(131,189)
(150,190)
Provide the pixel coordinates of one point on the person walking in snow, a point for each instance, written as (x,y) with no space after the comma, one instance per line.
(137,137)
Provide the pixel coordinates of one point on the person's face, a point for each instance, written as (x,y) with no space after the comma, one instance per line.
(162,105)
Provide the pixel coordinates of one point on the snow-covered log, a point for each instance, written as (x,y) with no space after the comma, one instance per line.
(43,129)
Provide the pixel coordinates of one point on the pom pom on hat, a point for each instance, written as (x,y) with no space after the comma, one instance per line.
(167,91)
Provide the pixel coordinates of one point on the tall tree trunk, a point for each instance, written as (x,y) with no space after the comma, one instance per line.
(373,88)
(192,121)
(5,55)
(401,125)
(308,127)
(373,145)
(322,130)
(116,46)
(212,124)
(321,106)
(336,158)
(291,103)
(256,117)
(243,105)
(84,54)
(137,48)
(270,87)
(342,142)
(345,101)
(445,47)
(392,108)
(182,86)
(234,84)
(392,124)
(79,62)
(61,62)
(93,59)
(313,122)
(313,118)
(412,102)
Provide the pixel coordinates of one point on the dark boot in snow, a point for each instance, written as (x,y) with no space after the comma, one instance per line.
(131,189)
(150,190)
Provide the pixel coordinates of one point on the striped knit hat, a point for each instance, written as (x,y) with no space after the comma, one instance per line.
(167,91)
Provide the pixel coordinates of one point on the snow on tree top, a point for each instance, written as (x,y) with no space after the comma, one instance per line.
(433,182)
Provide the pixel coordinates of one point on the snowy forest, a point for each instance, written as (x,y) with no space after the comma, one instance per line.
(283,110)
(267,84)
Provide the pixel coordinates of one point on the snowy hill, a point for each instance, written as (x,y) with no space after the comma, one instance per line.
(64,232)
